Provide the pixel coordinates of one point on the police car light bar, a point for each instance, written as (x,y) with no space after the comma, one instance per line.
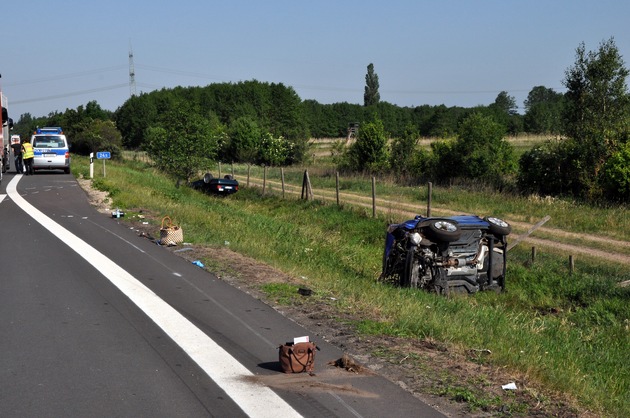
(50,130)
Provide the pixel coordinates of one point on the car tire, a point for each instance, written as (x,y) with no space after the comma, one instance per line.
(207,177)
(228,177)
(410,276)
(498,226)
(443,230)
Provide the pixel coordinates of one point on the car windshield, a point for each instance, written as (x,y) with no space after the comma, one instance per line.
(48,142)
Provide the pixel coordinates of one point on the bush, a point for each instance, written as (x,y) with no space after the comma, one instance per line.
(478,153)
(369,152)
(616,176)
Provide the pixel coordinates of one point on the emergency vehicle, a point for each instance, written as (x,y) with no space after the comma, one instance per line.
(7,125)
(51,149)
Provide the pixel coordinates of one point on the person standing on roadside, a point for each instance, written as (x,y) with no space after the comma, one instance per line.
(27,155)
(16,146)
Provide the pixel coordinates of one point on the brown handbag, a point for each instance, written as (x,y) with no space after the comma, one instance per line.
(297,358)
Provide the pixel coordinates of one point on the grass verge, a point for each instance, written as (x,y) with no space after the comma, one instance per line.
(570,333)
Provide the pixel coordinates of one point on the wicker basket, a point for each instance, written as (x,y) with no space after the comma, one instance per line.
(170,233)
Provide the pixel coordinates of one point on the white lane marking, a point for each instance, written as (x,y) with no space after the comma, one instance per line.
(255,400)
(2,196)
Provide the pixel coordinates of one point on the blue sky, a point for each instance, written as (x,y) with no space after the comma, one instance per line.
(62,54)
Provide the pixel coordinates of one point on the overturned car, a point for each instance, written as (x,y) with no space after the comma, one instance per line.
(214,185)
(459,254)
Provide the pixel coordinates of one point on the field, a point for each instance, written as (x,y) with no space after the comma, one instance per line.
(321,148)
(562,336)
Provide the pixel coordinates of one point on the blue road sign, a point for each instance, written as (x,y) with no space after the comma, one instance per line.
(103,155)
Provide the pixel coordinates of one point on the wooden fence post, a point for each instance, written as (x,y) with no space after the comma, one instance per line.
(373,197)
(282,175)
(219,169)
(430,194)
(533,254)
(264,179)
(337,186)
(232,169)
(307,190)
(571,265)
(248,172)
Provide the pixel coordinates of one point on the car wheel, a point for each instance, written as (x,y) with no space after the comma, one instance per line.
(207,177)
(228,177)
(498,226)
(443,230)
(411,274)
(66,170)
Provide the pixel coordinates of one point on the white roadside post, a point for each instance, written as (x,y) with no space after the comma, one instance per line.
(91,165)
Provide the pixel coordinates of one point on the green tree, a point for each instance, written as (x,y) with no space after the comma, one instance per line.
(274,151)
(504,111)
(479,152)
(443,162)
(369,152)
(403,151)
(97,135)
(483,151)
(442,122)
(505,104)
(134,117)
(244,134)
(616,177)
(286,120)
(547,169)
(543,111)
(25,126)
(371,96)
(597,112)
(597,99)
(182,144)
(589,162)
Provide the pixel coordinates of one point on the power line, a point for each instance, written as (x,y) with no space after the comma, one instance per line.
(180,72)
(65,76)
(64,95)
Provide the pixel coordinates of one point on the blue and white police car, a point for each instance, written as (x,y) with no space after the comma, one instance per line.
(51,149)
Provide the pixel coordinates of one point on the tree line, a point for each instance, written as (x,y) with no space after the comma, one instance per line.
(587,154)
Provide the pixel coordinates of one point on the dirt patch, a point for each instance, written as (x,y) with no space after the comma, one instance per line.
(457,382)
(320,382)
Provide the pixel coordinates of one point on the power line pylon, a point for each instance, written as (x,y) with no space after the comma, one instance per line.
(132,74)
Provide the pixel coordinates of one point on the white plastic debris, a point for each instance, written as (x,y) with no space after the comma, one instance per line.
(509,386)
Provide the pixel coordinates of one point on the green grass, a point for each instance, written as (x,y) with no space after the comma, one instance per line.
(571,333)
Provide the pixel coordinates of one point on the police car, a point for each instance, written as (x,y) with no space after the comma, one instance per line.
(51,150)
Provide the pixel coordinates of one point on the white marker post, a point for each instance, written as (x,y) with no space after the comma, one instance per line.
(91,165)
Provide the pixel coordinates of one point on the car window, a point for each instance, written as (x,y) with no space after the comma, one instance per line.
(49,142)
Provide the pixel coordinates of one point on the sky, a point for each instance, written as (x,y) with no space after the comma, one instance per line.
(63,54)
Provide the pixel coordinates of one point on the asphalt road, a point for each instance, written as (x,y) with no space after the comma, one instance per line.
(95,321)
